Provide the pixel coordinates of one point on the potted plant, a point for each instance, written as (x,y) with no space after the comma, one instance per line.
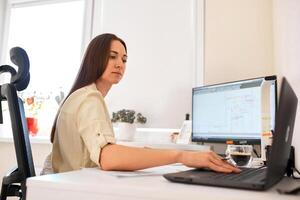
(127,120)
(32,106)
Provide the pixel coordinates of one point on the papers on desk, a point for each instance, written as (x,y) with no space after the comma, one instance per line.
(154,171)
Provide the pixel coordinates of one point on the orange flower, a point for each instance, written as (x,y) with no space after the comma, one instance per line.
(30,100)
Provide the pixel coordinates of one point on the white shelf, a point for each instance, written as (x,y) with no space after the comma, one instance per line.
(33,140)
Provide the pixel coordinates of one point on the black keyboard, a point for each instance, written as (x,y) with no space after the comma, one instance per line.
(259,173)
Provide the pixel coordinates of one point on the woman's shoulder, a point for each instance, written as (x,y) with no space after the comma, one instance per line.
(82,95)
(84,92)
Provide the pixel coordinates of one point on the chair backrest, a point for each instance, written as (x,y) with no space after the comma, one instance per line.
(14,184)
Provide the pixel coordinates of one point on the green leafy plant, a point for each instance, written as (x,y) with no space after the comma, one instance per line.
(128,116)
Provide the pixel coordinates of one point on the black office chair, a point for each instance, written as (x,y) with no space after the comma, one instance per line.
(14,183)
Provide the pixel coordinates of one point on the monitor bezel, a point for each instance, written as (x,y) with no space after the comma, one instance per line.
(232,140)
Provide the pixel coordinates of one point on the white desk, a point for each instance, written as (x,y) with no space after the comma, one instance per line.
(96,184)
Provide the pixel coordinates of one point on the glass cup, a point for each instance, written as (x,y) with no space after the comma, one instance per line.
(240,155)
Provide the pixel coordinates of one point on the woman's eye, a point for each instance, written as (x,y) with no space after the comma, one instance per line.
(113,56)
(124,61)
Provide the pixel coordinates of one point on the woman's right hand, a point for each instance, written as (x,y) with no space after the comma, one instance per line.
(206,160)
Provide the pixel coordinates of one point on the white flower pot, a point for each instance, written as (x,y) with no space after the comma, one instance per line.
(126,131)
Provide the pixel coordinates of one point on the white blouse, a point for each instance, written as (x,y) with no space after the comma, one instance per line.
(83,128)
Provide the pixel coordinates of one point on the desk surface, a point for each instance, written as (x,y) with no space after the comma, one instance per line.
(96,184)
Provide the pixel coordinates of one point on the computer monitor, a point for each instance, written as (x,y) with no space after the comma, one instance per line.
(234,111)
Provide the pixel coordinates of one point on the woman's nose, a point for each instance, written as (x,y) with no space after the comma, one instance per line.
(119,63)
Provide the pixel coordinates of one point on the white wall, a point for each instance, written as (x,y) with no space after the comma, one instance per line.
(238,40)
(287,52)
(2,6)
(162,58)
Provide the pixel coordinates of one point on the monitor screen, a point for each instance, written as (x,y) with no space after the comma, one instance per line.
(234,111)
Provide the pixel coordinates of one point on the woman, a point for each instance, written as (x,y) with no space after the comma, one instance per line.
(82,134)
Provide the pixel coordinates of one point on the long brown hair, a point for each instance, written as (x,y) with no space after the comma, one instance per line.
(92,67)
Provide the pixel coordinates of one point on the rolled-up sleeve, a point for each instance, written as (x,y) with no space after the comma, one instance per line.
(94,125)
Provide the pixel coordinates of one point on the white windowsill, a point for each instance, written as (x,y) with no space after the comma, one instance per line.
(33,140)
(140,133)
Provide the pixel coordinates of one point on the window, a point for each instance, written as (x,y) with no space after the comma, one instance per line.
(52,34)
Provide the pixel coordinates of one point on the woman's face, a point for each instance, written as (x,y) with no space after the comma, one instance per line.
(116,63)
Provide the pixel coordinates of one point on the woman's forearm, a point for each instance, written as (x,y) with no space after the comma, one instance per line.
(119,157)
